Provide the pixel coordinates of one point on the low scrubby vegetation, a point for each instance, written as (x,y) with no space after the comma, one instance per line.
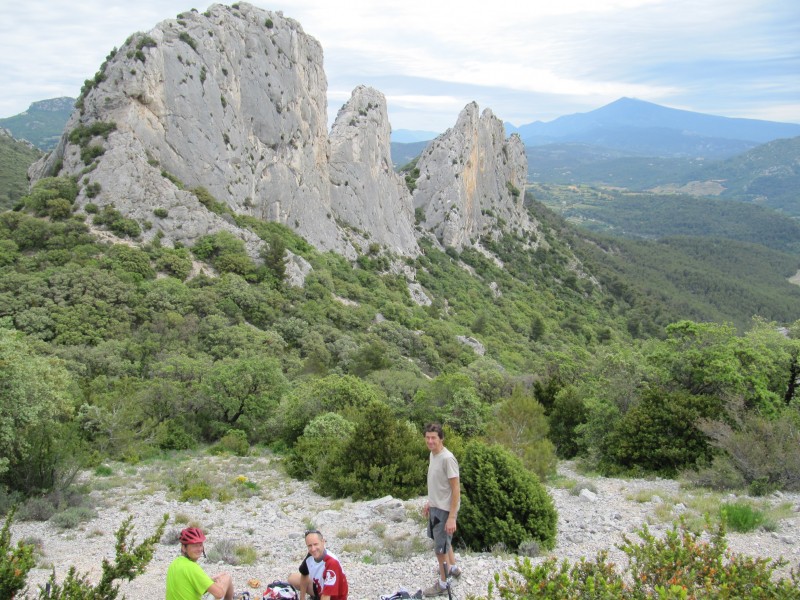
(130,560)
(682,564)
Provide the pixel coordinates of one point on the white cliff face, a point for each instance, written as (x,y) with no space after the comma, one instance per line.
(233,100)
(471,182)
(366,192)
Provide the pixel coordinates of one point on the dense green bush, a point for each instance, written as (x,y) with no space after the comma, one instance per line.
(172,435)
(225,252)
(451,399)
(502,502)
(662,432)
(333,393)
(36,449)
(233,442)
(567,414)
(320,441)
(174,261)
(741,516)
(383,456)
(113,220)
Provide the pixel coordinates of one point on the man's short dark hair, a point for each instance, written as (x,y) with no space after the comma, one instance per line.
(435,428)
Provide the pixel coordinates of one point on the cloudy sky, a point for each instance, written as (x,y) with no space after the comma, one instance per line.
(526,60)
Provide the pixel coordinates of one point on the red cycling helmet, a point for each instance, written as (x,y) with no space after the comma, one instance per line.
(192,535)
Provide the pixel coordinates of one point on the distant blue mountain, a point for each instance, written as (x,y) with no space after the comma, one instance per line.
(644,128)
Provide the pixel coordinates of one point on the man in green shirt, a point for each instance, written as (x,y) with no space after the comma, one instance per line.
(186,580)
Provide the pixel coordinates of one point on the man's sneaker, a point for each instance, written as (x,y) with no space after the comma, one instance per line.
(434,590)
(455,571)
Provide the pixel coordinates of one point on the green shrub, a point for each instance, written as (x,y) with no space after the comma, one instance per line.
(740,516)
(685,562)
(161,213)
(15,561)
(566,415)
(333,393)
(520,425)
(678,566)
(112,219)
(200,490)
(312,449)
(185,37)
(89,153)
(82,134)
(167,175)
(73,516)
(209,201)
(382,457)
(93,190)
(37,508)
(234,442)
(130,561)
(761,453)
(103,471)
(174,261)
(502,502)
(172,435)
(661,433)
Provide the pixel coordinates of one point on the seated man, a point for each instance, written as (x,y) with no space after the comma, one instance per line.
(320,575)
(186,580)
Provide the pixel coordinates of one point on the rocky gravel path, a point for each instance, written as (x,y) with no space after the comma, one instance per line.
(381,543)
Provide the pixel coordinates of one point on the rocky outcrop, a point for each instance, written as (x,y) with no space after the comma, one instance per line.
(366,192)
(223,113)
(232,100)
(471,182)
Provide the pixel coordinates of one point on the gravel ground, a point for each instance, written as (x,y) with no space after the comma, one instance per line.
(381,543)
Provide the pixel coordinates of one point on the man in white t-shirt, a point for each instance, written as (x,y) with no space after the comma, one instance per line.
(441,509)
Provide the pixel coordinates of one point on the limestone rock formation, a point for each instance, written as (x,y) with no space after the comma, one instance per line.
(223,113)
(232,100)
(366,191)
(471,182)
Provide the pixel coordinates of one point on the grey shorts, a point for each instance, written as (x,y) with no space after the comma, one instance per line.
(436,521)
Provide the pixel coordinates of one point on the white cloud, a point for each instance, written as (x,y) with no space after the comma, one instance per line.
(536,58)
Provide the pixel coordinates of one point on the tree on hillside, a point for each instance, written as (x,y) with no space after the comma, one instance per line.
(382,456)
(519,424)
(35,405)
(241,393)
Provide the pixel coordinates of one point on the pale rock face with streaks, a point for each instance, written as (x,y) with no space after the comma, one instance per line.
(233,100)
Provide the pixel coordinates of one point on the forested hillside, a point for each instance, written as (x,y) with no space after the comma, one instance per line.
(120,351)
(15,158)
(701,259)
(768,175)
(652,216)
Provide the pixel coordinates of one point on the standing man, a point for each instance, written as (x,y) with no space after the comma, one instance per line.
(186,580)
(441,508)
(320,574)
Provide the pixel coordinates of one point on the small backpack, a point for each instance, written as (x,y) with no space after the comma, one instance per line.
(280,590)
(402,594)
